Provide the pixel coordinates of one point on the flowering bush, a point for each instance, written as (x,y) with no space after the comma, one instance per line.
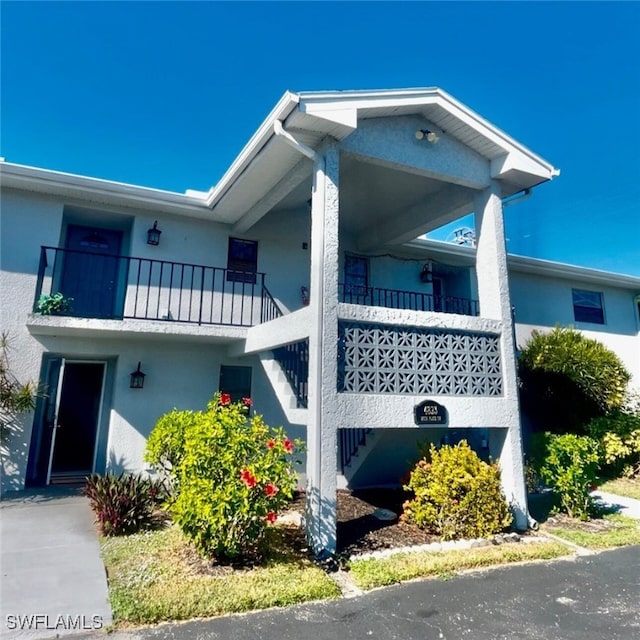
(457,495)
(234,474)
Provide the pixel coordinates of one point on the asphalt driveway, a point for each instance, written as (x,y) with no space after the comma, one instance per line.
(594,597)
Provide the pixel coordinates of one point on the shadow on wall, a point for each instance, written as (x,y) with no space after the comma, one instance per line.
(118,465)
(321,530)
(14,451)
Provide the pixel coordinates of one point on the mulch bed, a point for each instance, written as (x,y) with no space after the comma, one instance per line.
(359,531)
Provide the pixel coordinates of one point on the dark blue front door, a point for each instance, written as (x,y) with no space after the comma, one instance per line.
(91,271)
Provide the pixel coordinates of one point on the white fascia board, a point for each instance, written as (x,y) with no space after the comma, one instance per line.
(362,101)
(26,178)
(493,133)
(283,108)
(549,268)
(347,117)
(525,264)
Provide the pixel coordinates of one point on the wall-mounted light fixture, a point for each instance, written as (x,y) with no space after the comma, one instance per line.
(153,235)
(426,275)
(426,134)
(137,379)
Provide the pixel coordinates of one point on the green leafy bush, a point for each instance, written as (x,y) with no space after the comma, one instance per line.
(234,474)
(619,436)
(570,466)
(566,379)
(123,503)
(166,442)
(53,303)
(457,495)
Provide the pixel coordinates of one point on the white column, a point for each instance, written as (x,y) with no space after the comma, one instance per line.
(495,303)
(323,357)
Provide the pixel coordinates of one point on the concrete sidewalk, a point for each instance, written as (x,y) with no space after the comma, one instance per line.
(53,580)
(625,506)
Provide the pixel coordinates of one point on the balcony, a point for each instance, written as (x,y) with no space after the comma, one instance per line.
(411,300)
(119,287)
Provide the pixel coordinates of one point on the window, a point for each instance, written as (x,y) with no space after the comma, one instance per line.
(236,381)
(356,274)
(242,261)
(587,306)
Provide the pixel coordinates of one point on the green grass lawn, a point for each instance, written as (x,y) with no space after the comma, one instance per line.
(623,487)
(379,572)
(610,531)
(155,576)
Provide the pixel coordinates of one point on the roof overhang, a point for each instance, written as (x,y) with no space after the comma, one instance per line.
(268,168)
(313,116)
(523,264)
(99,192)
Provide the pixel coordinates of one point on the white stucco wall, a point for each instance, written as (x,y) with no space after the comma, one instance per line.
(541,303)
(180,372)
(393,141)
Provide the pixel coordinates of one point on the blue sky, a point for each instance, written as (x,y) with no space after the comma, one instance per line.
(166,94)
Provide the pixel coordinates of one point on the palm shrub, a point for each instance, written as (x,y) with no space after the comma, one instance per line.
(234,474)
(123,504)
(570,467)
(456,495)
(566,379)
(15,397)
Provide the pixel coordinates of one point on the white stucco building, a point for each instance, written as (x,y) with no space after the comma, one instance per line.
(295,280)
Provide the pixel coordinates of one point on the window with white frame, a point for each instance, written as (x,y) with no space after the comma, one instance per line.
(588,306)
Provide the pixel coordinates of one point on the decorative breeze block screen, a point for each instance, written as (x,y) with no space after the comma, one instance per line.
(409,360)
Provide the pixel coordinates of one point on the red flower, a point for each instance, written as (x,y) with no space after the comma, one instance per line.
(271,517)
(247,401)
(270,490)
(288,445)
(271,443)
(248,478)
(225,400)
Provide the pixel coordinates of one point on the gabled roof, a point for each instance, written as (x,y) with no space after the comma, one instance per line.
(268,168)
(312,116)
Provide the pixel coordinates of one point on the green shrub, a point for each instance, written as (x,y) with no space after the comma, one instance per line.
(456,494)
(619,436)
(235,474)
(566,379)
(53,303)
(570,468)
(123,503)
(165,445)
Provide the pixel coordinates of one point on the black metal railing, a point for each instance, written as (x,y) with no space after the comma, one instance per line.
(350,442)
(412,300)
(294,360)
(113,286)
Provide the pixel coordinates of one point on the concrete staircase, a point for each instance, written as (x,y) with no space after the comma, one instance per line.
(282,389)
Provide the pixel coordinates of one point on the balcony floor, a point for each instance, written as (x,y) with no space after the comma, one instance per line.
(133,329)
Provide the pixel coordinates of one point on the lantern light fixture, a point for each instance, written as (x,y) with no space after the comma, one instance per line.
(153,235)
(426,275)
(137,379)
